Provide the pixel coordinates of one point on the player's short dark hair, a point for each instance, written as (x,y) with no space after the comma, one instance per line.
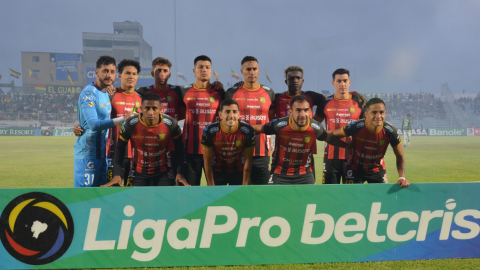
(105,60)
(127,63)
(161,61)
(248,59)
(299,98)
(374,101)
(202,58)
(293,68)
(340,71)
(409,115)
(152,97)
(228,102)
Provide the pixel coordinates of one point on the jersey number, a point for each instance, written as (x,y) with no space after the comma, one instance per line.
(87,176)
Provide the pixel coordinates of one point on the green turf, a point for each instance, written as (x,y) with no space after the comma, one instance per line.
(36,162)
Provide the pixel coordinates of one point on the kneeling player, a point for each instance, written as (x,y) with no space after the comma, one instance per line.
(295,139)
(150,134)
(370,139)
(228,147)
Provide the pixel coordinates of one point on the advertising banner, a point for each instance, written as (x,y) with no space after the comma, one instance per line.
(416,132)
(473,131)
(447,132)
(63,89)
(236,225)
(17,131)
(66,64)
(144,78)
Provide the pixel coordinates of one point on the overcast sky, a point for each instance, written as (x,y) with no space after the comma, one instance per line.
(389,46)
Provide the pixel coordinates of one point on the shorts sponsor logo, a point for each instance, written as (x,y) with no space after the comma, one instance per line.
(91,104)
(214,129)
(161,136)
(282,124)
(315,126)
(245,130)
(134,121)
(360,125)
(36,228)
(381,142)
(167,121)
(262,100)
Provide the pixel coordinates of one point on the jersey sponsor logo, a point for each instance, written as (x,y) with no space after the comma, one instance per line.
(282,124)
(103,105)
(172,86)
(353,122)
(331,110)
(342,114)
(274,120)
(245,130)
(88,98)
(352,109)
(262,100)
(161,136)
(307,139)
(214,129)
(191,98)
(167,121)
(360,125)
(265,87)
(315,126)
(134,121)
(238,143)
(211,99)
(381,142)
(122,128)
(88,93)
(388,128)
(240,99)
(202,104)
(169,98)
(91,104)
(120,103)
(253,106)
(205,129)
(90,165)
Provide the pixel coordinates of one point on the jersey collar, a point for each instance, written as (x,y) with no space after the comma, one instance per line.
(342,99)
(159,121)
(238,123)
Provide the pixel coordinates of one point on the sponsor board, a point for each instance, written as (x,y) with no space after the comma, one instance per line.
(236,225)
(17,131)
(473,131)
(447,132)
(415,132)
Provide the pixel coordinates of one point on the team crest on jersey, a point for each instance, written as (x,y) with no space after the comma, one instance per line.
(134,121)
(381,142)
(315,126)
(91,104)
(307,139)
(238,143)
(167,121)
(388,128)
(211,99)
(262,100)
(137,104)
(352,109)
(214,129)
(245,130)
(360,125)
(169,98)
(282,124)
(161,136)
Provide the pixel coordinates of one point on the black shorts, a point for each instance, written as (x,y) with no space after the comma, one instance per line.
(127,172)
(145,180)
(223,178)
(303,179)
(260,171)
(334,170)
(360,177)
(193,168)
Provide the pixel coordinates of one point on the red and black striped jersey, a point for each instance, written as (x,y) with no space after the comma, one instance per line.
(282,105)
(282,102)
(337,113)
(122,104)
(293,148)
(201,110)
(228,147)
(150,144)
(368,149)
(170,100)
(254,107)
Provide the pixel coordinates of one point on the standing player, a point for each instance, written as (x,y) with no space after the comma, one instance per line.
(90,168)
(199,104)
(407,129)
(150,134)
(337,111)
(370,139)
(296,136)
(228,147)
(256,104)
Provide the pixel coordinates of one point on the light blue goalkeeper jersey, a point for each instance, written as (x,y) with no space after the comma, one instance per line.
(94,116)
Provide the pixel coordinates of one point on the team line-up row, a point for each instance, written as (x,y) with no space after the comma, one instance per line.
(225,132)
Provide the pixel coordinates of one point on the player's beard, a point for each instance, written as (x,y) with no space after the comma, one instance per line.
(297,121)
(231,119)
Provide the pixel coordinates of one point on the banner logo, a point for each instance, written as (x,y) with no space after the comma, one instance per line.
(36,228)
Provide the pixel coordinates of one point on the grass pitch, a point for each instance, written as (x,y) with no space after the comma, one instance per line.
(40,162)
